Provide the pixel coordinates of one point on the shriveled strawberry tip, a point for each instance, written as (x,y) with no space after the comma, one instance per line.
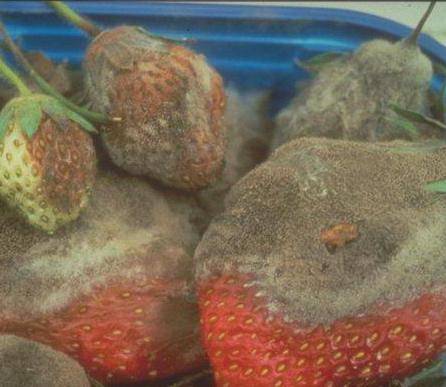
(249,345)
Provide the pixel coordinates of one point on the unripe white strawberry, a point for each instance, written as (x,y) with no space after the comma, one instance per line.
(47,160)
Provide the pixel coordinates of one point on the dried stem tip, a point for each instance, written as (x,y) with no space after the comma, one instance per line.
(412,39)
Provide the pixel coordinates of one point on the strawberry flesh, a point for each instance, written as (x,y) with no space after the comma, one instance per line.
(248,345)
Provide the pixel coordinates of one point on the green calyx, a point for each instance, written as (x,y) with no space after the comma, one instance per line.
(27,111)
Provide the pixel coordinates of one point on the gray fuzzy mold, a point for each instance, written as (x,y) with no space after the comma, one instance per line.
(349,98)
(275,214)
(24,363)
(249,131)
(129,231)
(171,104)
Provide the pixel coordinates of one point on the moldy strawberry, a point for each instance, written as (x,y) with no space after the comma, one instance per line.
(281,307)
(350,97)
(170,99)
(113,289)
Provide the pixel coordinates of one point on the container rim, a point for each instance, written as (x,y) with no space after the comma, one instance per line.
(228,11)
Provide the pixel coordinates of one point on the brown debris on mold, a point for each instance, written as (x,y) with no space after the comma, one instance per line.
(27,363)
(349,98)
(249,131)
(274,216)
(130,238)
(171,102)
(339,235)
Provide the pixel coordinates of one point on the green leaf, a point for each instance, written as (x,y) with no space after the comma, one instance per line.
(28,115)
(422,147)
(436,186)
(400,124)
(59,113)
(317,62)
(416,117)
(86,125)
(5,116)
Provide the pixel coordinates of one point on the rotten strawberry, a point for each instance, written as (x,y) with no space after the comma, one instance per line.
(112,289)
(280,309)
(170,99)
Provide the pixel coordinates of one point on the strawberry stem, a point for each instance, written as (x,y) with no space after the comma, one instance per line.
(44,85)
(74,18)
(412,39)
(13,78)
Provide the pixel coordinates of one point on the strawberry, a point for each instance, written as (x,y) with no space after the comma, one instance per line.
(351,96)
(171,103)
(112,290)
(47,161)
(249,346)
(170,99)
(119,333)
(26,363)
(281,308)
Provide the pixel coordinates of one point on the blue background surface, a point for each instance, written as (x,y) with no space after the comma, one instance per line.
(251,46)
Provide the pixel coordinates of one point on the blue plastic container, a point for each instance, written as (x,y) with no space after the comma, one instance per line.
(253,47)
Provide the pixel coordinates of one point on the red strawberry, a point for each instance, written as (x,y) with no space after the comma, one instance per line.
(280,308)
(112,290)
(249,346)
(119,332)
